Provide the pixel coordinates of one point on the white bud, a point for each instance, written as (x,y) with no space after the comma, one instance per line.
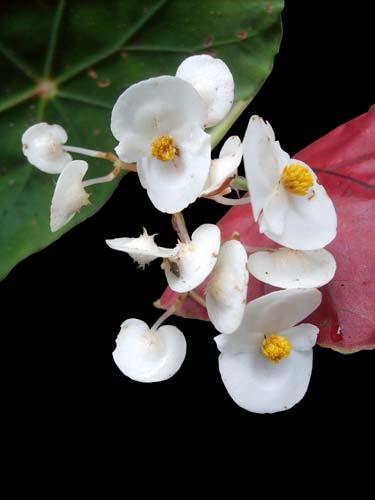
(42,145)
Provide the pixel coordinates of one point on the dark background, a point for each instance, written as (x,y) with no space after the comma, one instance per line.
(62,308)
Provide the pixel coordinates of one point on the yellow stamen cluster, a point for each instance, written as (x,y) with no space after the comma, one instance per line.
(297,179)
(275,348)
(164,148)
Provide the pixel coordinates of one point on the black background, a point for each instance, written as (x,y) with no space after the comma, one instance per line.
(61,308)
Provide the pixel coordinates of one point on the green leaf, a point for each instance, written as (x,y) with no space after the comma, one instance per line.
(90,52)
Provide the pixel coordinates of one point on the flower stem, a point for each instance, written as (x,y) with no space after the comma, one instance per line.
(197,298)
(250,249)
(131,167)
(81,151)
(230,201)
(100,180)
(178,223)
(169,312)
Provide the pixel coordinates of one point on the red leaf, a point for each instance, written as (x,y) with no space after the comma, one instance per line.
(344,161)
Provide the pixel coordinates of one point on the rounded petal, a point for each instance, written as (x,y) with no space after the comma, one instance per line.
(194,261)
(143,249)
(225,166)
(173,185)
(260,386)
(227,290)
(286,268)
(42,145)
(302,337)
(242,341)
(69,195)
(133,147)
(214,82)
(149,356)
(274,212)
(310,221)
(263,161)
(278,311)
(156,107)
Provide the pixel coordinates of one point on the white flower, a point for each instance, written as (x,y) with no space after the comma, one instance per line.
(143,249)
(214,82)
(148,355)
(289,204)
(227,290)
(159,123)
(224,167)
(186,265)
(194,260)
(69,195)
(286,268)
(266,364)
(42,145)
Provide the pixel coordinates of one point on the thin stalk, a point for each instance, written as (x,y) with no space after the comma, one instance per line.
(251,249)
(169,312)
(230,201)
(197,298)
(178,223)
(81,151)
(105,178)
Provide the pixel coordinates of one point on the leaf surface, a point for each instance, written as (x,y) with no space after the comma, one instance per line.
(344,161)
(89,52)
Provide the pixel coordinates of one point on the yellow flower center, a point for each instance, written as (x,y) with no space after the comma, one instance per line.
(164,148)
(297,179)
(275,348)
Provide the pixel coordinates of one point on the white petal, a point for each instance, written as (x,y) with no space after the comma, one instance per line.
(310,221)
(260,386)
(279,310)
(69,195)
(227,289)
(274,212)
(156,107)
(42,145)
(147,356)
(142,250)
(241,341)
(214,83)
(263,161)
(173,185)
(194,260)
(225,166)
(286,268)
(133,147)
(302,337)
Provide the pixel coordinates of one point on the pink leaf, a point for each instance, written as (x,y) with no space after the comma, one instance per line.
(344,161)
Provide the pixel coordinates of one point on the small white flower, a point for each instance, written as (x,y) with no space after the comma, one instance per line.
(286,268)
(42,145)
(213,81)
(186,265)
(227,290)
(143,249)
(224,167)
(159,123)
(266,364)
(69,195)
(289,204)
(148,355)
(194,260)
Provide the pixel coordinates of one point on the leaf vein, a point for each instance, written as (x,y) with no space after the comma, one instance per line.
(108,52)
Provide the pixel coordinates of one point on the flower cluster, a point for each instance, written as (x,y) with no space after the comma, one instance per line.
(161,126)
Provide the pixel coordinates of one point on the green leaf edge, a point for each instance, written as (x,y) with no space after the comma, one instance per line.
(217,133)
